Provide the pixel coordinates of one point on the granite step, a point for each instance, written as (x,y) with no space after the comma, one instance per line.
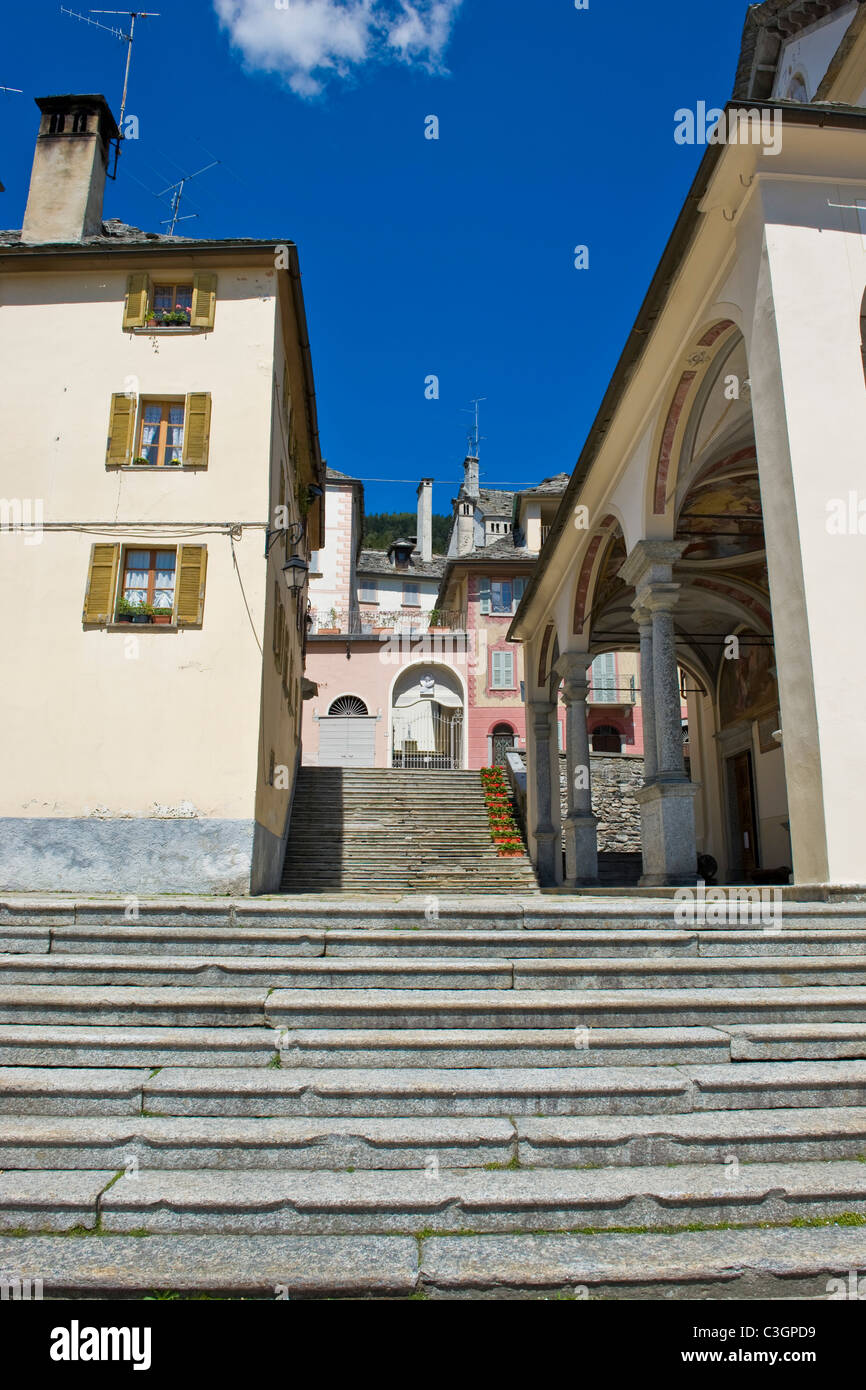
(131,1006)
(459,1200)
(395,1143)
(588,1008)
(34,1045)
(491,1091)
(420,940)
(753,1265)
(245,972)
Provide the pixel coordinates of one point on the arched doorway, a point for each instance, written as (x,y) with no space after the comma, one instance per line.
(347,734)
(501,744)
(606,739)
(427,719)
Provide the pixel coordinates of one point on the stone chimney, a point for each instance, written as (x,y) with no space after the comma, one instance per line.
(425,519)
(69,168)
(470,477)
(465,526)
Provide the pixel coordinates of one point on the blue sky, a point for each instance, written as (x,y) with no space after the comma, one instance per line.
(451,257)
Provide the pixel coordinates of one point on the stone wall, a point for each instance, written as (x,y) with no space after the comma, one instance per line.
(615,779)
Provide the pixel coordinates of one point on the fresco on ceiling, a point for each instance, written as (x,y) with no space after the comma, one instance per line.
(747,688)
(722,519)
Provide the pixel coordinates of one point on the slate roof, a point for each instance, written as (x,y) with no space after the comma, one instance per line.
(119,234)
(494,503)
(766,28)
(548,487)
(503,549)
(333,476)
(377,562)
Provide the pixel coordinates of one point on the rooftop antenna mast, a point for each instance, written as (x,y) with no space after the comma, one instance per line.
(128,39)
(176,191)
(18,92)
(473,436)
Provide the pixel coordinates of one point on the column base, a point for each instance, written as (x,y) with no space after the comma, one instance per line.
(547,849)
(581,851)
(667,814)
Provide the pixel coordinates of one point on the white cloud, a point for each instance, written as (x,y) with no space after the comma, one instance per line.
(307,41)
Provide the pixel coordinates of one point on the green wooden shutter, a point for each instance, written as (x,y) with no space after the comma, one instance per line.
(189,595)
(101,581)
(204,288)
(121,428)
(137,301)
(196,429)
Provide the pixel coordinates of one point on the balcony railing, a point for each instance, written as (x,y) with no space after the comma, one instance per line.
(622,692)
(359,622)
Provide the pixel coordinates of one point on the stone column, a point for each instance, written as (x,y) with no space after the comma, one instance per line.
(581,839)
(667,796)
(660,600)
(644,621)
(546,829)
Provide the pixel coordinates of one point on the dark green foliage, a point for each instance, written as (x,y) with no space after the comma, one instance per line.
(381,528)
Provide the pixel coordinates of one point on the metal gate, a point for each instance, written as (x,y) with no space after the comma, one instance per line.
(428,738)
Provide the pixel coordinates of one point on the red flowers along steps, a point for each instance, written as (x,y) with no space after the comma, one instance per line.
(503,827)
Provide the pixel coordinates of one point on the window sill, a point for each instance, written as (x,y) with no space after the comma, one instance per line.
(167,329)
(154,468)
(141,627)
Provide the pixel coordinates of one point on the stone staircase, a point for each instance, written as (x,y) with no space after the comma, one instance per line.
(362,830)
(530,1097)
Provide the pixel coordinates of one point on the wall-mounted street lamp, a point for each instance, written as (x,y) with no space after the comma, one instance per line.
(296,571)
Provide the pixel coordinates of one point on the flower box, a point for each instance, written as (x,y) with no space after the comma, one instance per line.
(328,632)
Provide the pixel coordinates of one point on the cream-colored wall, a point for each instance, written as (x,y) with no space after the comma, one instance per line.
(92,724)
(124,721)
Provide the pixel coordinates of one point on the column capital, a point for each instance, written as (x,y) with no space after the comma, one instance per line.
(651,562)
(573,668)
(541,711)
(659,598)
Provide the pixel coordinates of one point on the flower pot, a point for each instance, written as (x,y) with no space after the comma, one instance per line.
(328,632)
(161,619)
(137,618)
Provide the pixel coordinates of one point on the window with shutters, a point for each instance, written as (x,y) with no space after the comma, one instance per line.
(145,584)
(367,591)
(148,433)
(501,670)
(411,596)
(163,302)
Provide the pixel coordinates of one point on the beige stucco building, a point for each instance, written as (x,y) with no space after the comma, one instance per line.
(716,516)
(160,468)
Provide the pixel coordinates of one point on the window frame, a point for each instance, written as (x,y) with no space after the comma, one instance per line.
(174,286)
(501,653)
(166,404)
(152,551)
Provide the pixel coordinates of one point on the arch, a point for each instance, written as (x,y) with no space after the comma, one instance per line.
(542,658)
(348,706)
(606,738)
(697,360)
(588,569)
(452,680)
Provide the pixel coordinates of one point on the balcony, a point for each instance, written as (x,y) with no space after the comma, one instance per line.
(373,622)
(617,694)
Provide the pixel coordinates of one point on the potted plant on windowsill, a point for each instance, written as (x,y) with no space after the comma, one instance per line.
(330,626)
(162,617)
(133,612)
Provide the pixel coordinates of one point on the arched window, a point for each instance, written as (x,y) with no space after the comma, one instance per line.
(348,706)
(606,739)
(797,89)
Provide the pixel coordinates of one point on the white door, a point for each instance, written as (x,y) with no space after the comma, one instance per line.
(347,742)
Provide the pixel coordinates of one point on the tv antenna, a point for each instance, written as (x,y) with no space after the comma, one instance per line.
(473,436)
(176,191)
(7,90)
(120,34)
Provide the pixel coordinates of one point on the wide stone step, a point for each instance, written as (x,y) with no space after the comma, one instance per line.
(459,1199)
(587,1008)
(764,1264)
(505,1047)
(414,1091)
(343,1143)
